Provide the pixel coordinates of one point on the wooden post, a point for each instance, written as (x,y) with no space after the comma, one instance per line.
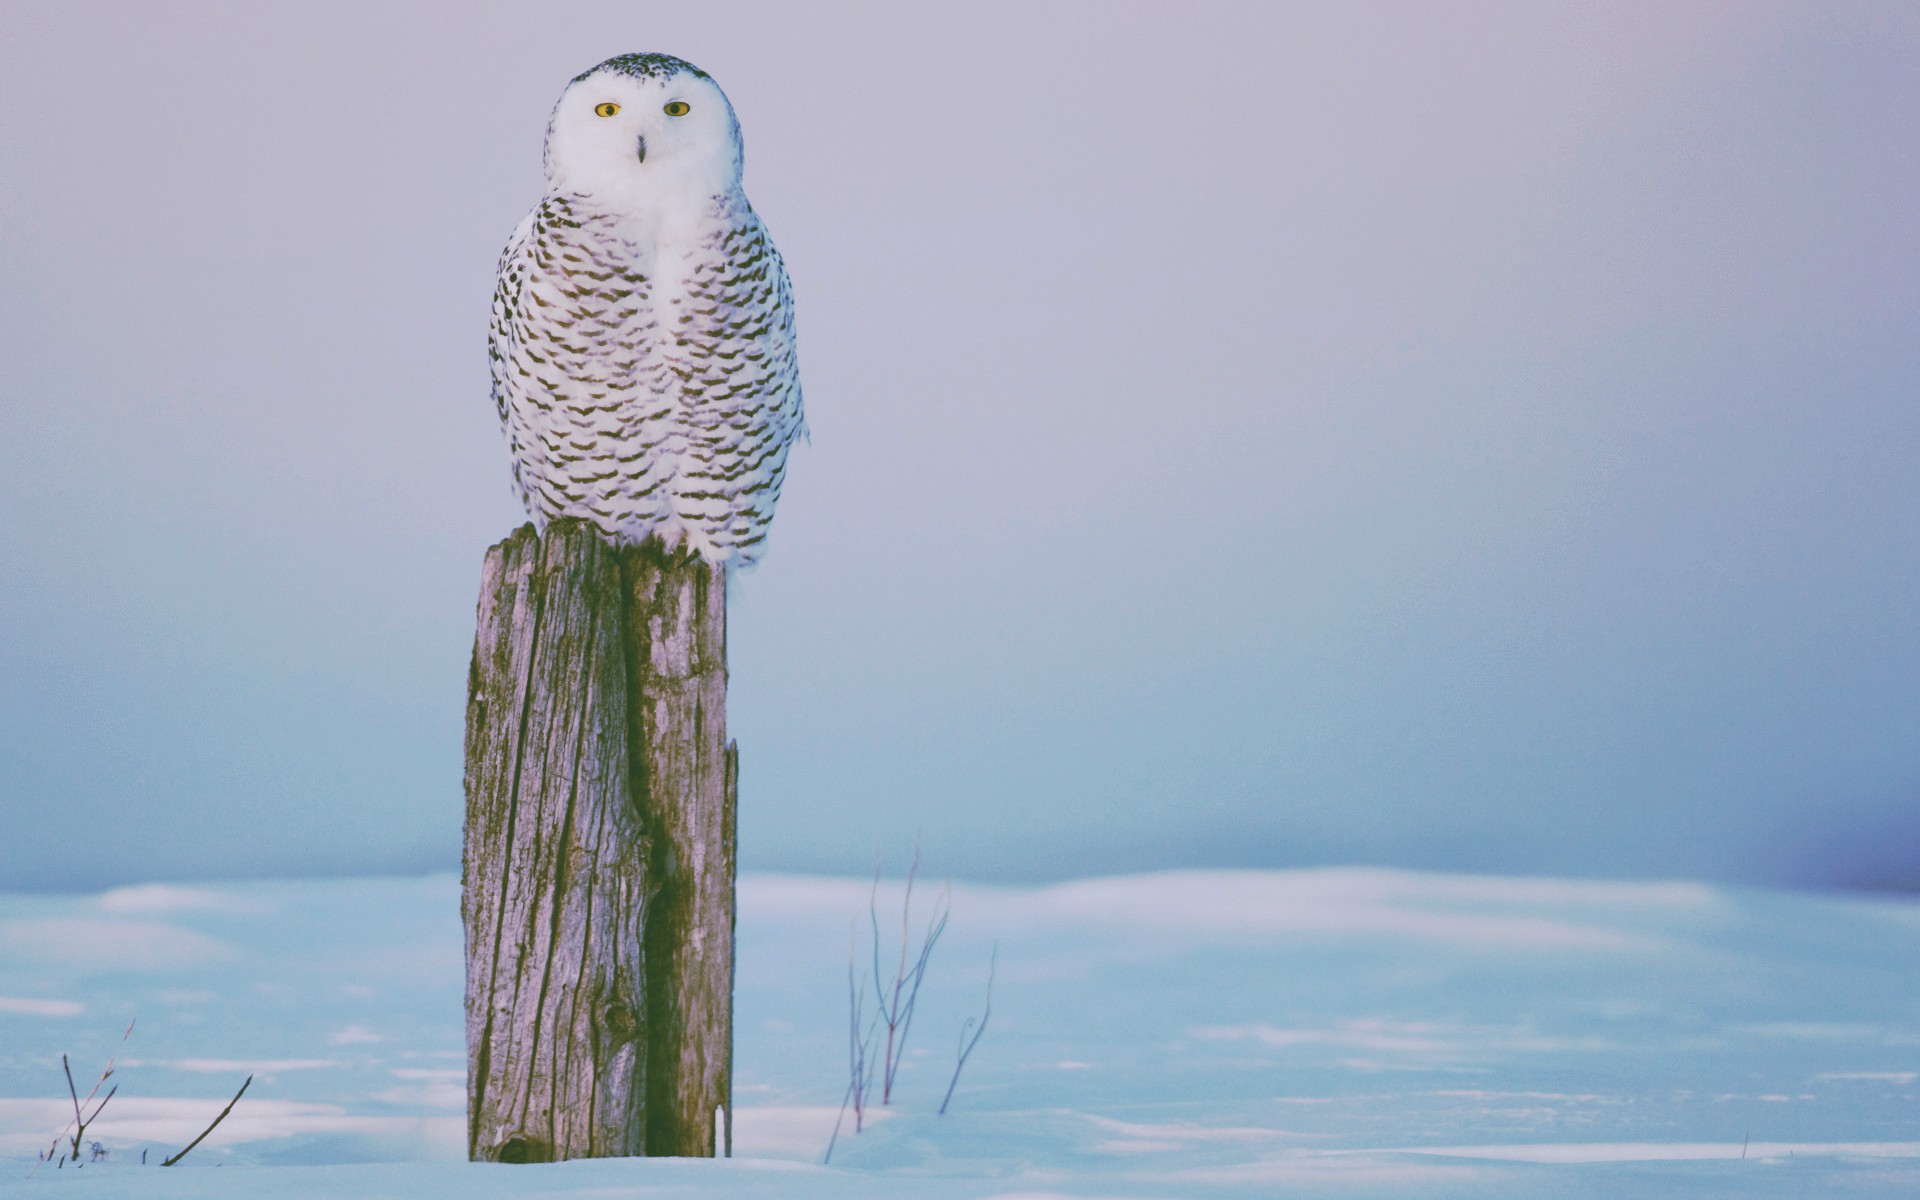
(677,668)
(599,865)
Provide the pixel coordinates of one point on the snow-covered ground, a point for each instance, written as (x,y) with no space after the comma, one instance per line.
(1311,1033)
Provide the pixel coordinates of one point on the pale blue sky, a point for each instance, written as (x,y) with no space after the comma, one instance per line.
(1472,436)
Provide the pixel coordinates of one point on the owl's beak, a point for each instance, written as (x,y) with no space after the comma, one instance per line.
(643,147)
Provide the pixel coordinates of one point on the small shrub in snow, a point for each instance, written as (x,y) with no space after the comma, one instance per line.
(895,1003)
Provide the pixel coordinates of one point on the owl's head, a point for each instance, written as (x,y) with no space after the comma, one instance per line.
(642,126)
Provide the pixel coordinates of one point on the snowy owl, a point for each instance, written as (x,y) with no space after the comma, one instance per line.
(642,342)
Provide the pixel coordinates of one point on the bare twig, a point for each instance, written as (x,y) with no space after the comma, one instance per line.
(896,1010)
(71,1090)
(81,1122)
(167,1162)
(968,1043)
(859,1068)
(75,1093)
(858,1075)
(835,1139)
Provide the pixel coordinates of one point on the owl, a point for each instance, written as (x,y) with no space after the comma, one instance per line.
(642,344)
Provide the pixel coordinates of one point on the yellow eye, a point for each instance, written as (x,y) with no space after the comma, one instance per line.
(605,110)
(677,108)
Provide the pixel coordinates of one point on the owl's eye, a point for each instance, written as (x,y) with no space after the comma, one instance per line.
(605,110)
(677,108)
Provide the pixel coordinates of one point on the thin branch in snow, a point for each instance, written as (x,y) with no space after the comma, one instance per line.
(80,1121)
(81,1118)
(968,1043)
(896,1010)
(859,1043)
(167,1162)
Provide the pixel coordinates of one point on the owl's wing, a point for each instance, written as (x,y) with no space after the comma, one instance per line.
(514,386)
(503,335)
(742,381)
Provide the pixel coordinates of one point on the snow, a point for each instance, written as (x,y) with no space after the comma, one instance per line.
(1349,1033)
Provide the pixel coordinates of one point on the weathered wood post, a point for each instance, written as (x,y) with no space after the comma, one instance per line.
(599,864)
(677,689)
